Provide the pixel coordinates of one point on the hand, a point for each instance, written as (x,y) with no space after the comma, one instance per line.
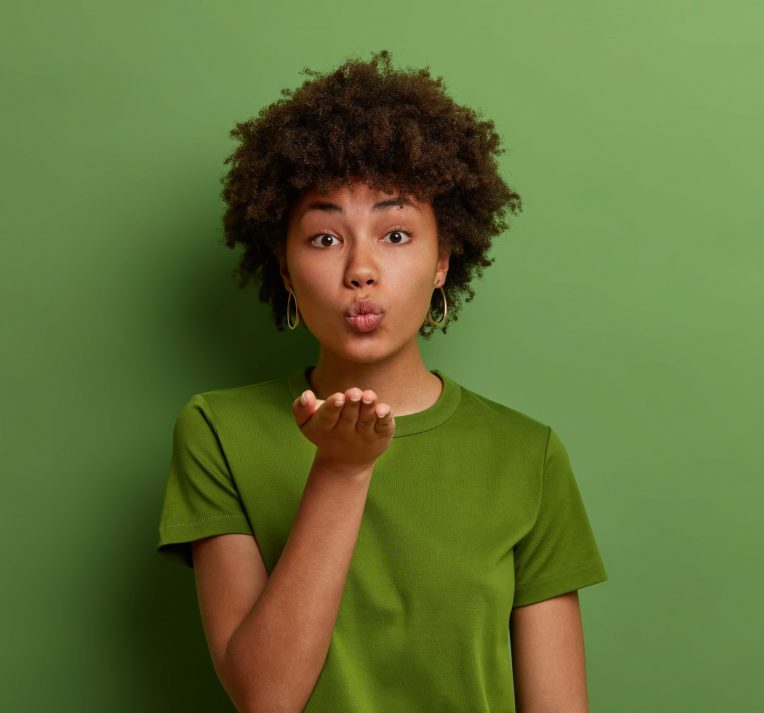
(350,430)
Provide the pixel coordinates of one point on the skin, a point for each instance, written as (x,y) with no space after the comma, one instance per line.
(333,257)
(390,256)
(548,658)
(269,635)
(255,624)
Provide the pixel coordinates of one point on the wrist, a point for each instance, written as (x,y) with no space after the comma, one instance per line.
(329,465)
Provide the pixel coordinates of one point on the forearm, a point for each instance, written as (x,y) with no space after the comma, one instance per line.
(276,654)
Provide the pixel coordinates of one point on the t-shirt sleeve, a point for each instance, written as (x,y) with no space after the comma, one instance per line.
(201,498)
(559,553)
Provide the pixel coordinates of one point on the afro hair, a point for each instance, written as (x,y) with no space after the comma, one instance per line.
(398,130)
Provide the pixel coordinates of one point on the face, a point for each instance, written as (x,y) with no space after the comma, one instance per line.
(356,244)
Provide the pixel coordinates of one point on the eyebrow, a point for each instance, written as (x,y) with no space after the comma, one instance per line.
(381,205)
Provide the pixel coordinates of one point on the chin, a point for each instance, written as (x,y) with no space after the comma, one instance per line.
(361,349)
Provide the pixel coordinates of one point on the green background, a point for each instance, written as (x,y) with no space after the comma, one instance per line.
(624,309)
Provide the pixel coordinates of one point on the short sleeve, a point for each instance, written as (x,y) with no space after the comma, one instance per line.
(559,553)
(201,498)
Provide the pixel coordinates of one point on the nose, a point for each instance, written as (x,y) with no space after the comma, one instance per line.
(361,269)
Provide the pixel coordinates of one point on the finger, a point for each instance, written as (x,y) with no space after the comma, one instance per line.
(305,401)
(329,411)
(366,416)
(385,423)
(348,417)
(304,406)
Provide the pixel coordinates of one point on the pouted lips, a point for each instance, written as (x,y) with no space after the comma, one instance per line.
(364,315)
(364,322)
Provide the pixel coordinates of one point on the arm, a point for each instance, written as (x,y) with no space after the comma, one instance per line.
(548,658)
(269,637)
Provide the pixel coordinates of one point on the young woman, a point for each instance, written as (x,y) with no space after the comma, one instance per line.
(367,534)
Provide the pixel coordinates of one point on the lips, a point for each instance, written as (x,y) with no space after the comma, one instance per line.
(365,306)
(364,316)
(364,322)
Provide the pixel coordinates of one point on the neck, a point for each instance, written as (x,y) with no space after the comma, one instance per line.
(402,380)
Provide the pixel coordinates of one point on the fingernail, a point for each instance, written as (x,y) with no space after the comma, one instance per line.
(339,400)
(303,398)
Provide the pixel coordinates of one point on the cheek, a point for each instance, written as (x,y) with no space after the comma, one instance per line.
(318,301)
(411,293)
(313,282)
(414,280)
(312,278)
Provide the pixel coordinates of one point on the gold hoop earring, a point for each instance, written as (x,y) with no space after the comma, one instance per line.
(296,309)
(445,311)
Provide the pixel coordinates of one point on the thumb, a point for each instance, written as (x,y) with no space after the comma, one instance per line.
(304,406)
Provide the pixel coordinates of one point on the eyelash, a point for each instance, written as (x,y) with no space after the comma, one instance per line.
(393,230)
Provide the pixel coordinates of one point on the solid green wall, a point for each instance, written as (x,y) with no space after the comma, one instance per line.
(624,309)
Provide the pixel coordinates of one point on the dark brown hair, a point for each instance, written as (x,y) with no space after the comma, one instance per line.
(395,129)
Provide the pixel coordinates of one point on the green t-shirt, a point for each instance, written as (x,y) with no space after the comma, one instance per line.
(471,510)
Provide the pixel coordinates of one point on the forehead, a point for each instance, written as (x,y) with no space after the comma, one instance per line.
(353,195)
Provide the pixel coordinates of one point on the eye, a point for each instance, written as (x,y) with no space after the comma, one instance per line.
(400,232)
(321,236)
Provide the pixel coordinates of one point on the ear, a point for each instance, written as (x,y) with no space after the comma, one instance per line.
(442,267)
(280,253)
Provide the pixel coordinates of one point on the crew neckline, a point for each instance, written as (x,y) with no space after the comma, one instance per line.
(411,423)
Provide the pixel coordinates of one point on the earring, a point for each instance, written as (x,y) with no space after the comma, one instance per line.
(296,309)
(445,311)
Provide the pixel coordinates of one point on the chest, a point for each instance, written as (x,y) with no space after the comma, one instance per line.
(438,528)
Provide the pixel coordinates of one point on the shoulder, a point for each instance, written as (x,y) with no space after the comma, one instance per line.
(502,421)
(502,413)
(258,394)
(226,407)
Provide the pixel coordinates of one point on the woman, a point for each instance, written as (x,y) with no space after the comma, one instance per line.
(367,534)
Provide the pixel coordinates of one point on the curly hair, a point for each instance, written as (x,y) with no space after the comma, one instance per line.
(394,129)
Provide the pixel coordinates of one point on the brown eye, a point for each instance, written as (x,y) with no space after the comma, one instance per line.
(399,237)
(322,238)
